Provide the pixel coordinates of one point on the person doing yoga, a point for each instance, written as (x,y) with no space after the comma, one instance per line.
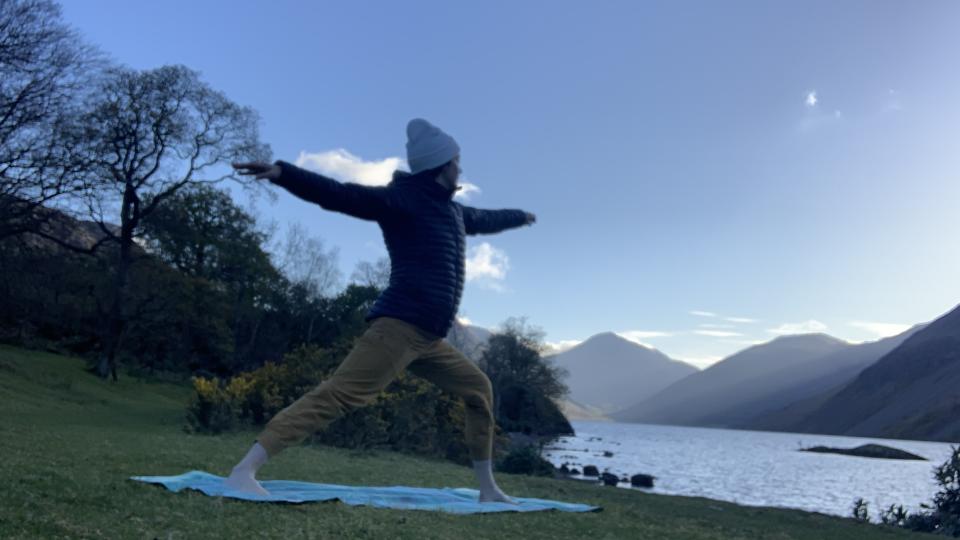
(424,230)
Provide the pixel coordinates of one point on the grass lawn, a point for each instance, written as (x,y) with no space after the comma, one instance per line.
(69,442)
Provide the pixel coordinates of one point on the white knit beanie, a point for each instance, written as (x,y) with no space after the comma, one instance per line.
(428,146)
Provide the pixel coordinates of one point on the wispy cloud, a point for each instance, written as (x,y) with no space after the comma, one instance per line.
(893,102)
(881,330)
(744,341)
(815,116)
(703,313)
(806,327)
(709,325)
(487,266)
(740,319)
(341,165)
(639,336)
(554,347)
(717,333)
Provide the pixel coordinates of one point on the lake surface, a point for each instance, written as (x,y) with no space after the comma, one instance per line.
(754,468)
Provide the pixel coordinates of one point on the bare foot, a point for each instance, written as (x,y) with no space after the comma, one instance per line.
(496,496)
(243,481)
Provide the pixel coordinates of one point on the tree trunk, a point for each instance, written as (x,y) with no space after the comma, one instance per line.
(129,215)
(310,328)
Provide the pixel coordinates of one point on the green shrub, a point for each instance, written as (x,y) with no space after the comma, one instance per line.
(411,415)
(525,460)
(211,409)
(942,517)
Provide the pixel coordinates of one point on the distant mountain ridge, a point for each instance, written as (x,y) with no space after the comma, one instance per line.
(912,392)
(709,397)
(608,372)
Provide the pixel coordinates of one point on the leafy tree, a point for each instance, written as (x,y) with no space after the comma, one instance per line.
(524,384)
(142,137)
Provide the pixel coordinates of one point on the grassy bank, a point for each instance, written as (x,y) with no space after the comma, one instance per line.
(69,442)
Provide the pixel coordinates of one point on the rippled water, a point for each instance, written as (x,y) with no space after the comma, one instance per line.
(753,467)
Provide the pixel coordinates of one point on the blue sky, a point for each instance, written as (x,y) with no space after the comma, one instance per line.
(706,175)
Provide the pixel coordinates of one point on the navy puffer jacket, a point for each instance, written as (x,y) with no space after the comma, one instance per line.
(424,230)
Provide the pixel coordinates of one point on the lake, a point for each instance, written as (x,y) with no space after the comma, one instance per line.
(754,468)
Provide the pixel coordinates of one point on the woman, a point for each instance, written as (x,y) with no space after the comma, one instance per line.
(424,230)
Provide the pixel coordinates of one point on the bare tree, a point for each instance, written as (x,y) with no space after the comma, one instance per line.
(375,274)
(303,259)
(44,69)
(141,137)
(312,270)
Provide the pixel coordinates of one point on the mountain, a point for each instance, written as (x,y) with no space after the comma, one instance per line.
(578,411)
(913,392)
(796,384)
(468,339)
(761,377)
(608,372)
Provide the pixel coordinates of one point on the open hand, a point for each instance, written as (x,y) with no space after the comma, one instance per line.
(258,170)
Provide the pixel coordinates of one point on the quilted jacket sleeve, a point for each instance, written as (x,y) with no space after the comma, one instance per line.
(365,202)
(477,221)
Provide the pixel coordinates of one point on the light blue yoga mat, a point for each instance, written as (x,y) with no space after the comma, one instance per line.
(451,500)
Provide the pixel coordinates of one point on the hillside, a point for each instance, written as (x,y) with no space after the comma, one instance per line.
(913,392)
(702,399)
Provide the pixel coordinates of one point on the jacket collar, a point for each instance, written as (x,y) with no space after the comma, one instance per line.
(430,187)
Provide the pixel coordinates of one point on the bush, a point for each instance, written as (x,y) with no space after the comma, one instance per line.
(942,517)
(525,460)
(211,408)
(411,415)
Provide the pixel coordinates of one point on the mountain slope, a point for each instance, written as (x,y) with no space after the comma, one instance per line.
(752,376)
(912,392)
(608,372)
(807,380)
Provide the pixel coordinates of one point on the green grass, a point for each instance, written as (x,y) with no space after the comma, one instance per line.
(69,442)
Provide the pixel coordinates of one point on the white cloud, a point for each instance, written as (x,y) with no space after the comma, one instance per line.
(466,190)
(464,321)
(487,266)
(346,167)
(638,336)
(708,325)
(703,313)
(554,347)
(341,165)
(740,319)
(815,117)
(806,327)
(881,330)
(717,333)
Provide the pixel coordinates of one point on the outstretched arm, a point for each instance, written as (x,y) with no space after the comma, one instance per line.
(477,221)
(364,202)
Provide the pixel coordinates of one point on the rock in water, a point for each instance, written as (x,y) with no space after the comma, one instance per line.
(642,480)
(867,450)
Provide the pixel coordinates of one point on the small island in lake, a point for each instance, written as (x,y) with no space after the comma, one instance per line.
(867,450)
